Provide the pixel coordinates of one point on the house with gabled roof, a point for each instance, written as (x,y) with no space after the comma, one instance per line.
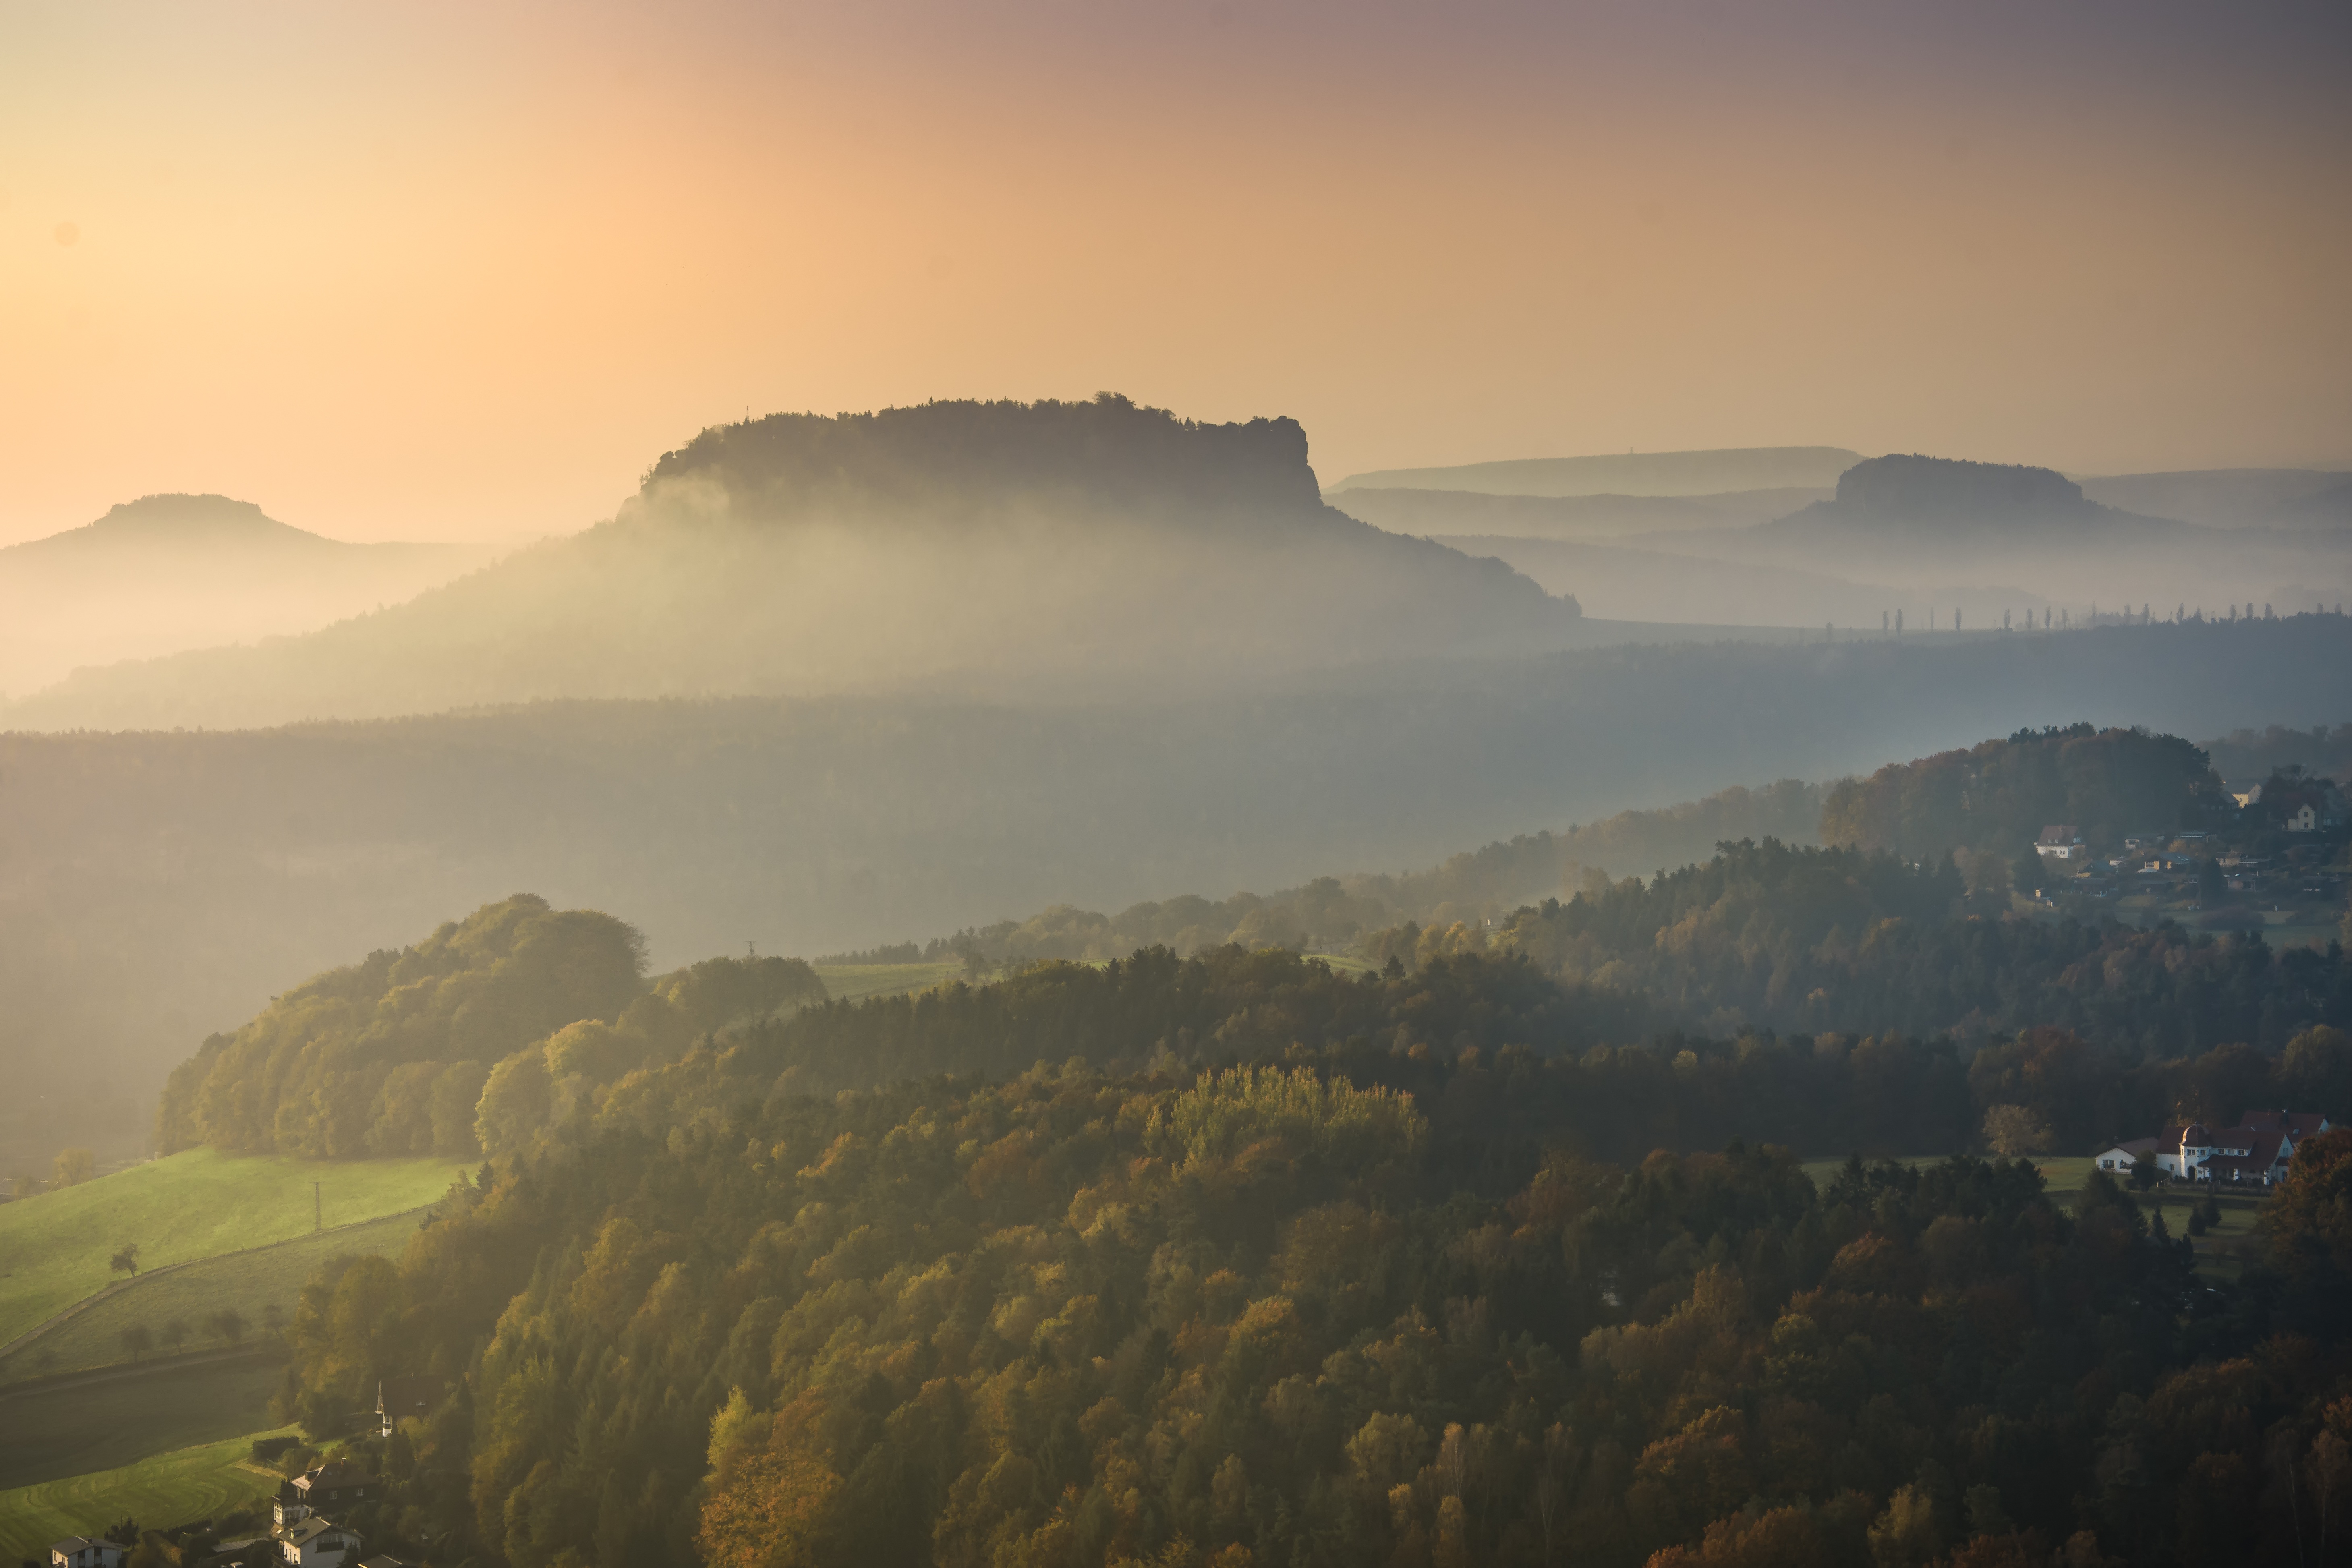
(318,1543)
(2061,842)
(2257,1151)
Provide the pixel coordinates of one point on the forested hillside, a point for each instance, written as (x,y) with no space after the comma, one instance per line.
(1380,1306)
(1808,940)
(499,1020)
(1998,796)
(163,886)
(1331,912)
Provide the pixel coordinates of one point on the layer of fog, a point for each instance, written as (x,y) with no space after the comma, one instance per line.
(171,572)
(690,592)
(161,885)
(2250,542)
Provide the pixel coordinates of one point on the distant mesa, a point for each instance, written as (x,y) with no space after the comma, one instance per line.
(969,457)
(1936,489)
(174,520)
(1949,500)
(1088,548)
(1696,473)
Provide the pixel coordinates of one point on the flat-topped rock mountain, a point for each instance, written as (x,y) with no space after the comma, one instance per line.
(1051,550)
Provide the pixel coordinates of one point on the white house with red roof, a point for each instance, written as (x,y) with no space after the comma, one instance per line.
(2256,1151)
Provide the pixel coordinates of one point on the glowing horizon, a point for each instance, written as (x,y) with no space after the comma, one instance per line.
(436,274)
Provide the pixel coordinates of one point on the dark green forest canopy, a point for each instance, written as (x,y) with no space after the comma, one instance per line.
(391,1056)
(1840,939)
(1281,1317)
(1999,796)
(1823,997)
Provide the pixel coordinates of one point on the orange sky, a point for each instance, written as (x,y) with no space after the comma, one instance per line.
(443,271)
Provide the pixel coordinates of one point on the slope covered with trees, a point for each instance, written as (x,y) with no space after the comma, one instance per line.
(1999,796)
(479,1035)
(1375,1306)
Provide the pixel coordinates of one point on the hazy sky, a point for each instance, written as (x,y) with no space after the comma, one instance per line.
(443,271)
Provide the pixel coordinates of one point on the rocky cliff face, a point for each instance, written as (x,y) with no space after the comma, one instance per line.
(971,458)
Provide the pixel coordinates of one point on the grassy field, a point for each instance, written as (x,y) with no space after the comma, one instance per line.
(250,1282)
(855,982)
(72,1428)
(54,1249)
(177,1487)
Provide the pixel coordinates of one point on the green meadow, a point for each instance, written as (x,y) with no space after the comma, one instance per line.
(54,1249)
(855,982)
(77,1426)
(249,1283)
(175,1488)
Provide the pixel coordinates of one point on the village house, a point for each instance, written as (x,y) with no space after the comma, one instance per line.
(85,1552)
(2256,1151)
(324,1487)
(2061,843)
(318,1543)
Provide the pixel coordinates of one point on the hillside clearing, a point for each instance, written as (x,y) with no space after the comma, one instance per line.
(855,982)
(249,1283)
(166,1490)
(54,1249)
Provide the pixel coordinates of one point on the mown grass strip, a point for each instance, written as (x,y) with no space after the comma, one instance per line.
(166,1490)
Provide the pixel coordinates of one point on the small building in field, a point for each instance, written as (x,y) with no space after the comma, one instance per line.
(85,1552)
(2117,1159)
(2061,842)
(2304,818)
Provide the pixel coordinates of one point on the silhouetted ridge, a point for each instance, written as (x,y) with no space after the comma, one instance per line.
(971,456)
(185,518)
(1932,489)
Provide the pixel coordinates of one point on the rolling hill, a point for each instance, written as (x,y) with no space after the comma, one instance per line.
(2226,498)
(1629,474)
(1078,549)
(1456,515)
(168,573)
